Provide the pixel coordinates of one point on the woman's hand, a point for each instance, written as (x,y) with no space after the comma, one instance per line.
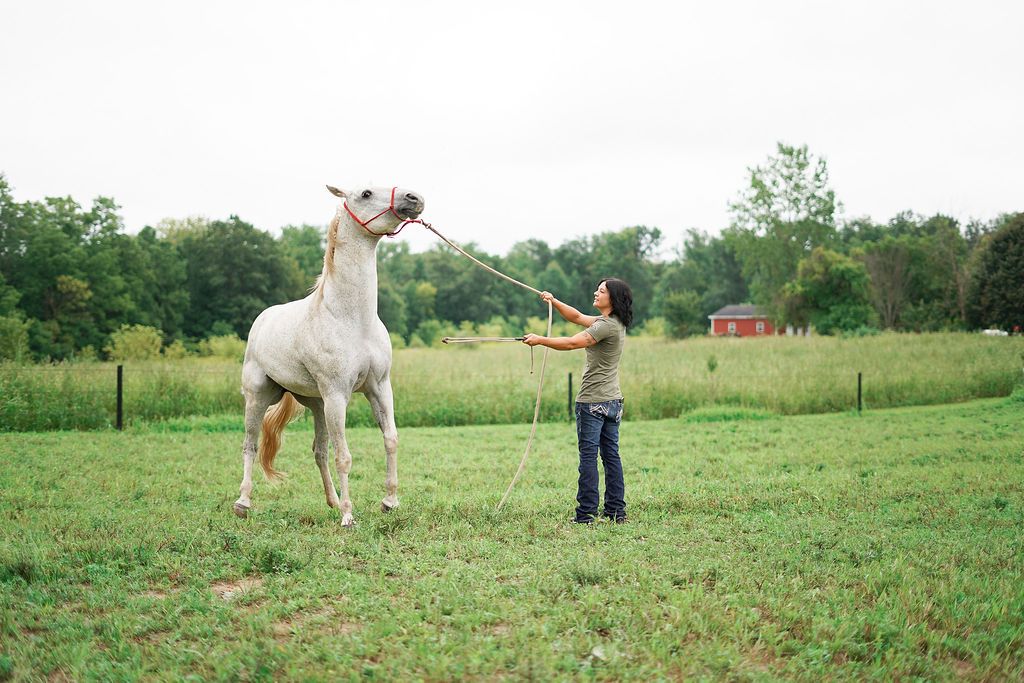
(547,297)
(532,339)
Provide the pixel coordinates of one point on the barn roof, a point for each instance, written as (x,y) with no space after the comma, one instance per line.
(739,311)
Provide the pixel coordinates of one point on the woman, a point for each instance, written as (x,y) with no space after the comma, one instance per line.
(599,401)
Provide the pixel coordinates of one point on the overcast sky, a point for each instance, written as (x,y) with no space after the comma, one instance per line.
(515,120)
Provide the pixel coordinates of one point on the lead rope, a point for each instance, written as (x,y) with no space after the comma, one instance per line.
(543,362)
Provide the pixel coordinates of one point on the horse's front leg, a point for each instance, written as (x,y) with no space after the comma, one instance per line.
(383,403)
(335,408)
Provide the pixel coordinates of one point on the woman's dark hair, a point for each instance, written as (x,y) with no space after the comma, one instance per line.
(622,299)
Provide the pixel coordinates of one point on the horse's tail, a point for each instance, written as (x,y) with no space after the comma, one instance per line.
(275,420)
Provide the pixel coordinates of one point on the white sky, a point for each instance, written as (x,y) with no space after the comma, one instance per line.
(520,119)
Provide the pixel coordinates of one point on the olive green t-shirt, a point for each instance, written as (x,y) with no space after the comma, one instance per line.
(601,373)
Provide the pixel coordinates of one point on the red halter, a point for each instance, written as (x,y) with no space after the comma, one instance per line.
(391,208)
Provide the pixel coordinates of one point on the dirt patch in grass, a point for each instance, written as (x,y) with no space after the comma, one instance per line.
(500,630)
(962,668)
(283,629)
(153,637)
(33,631)
(324,620)
(763,659)
(229,590)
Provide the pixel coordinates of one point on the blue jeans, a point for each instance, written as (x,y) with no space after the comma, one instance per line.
(597,430)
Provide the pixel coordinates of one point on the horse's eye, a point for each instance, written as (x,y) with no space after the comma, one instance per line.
(367,194)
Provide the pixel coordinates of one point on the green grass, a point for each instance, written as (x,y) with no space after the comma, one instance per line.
(884,546)
(492,384)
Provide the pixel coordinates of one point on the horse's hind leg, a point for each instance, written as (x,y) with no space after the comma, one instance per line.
(382,401)
(320,450)
(260,393)
(335,408)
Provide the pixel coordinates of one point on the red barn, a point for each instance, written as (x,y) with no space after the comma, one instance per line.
(740,321)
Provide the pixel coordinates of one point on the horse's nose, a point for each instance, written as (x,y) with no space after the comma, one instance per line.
(413,198)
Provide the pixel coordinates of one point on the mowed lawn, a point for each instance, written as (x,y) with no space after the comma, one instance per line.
(881,546)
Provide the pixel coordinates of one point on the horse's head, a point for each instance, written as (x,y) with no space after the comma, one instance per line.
(380,209)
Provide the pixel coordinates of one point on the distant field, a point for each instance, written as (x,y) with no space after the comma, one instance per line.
(492,384)
(826,547)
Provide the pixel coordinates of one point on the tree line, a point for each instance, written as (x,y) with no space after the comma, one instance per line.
(72,279)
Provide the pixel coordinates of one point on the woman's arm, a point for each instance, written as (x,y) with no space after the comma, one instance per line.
(578,341)
(568,312)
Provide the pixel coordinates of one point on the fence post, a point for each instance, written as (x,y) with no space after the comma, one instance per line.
(860,403)
(571,415)
(120,397)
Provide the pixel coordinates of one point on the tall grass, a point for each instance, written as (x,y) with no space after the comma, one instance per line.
(492,384)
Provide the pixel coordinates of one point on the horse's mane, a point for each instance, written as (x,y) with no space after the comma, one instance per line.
(332,242)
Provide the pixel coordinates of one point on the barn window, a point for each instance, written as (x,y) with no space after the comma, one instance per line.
(760,327)
(732,328)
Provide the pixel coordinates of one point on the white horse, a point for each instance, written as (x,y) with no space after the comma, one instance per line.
(317,351)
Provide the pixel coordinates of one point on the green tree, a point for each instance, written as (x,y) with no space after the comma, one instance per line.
(787,210)
(160,282)
(939,259)
(705,265)
(831,292)
(464,290)
(887,262)
(234,272)
(996,293)
(682,311)
(528,259)
(13,327)
(305,244)
(553,279)
(626,254)
(391,308)
(421,300)
(175,230)
(39,242)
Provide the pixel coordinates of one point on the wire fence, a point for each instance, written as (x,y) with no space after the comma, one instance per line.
(99,396)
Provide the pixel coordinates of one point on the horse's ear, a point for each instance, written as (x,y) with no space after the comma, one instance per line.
(336,192)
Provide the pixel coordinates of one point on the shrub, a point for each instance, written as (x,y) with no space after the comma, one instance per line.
(653,327)
(176,350)
(135,342)
(559,327)
(223,346)
(429,331)
(87,354)
(13,338)
(862,331)
(496,327)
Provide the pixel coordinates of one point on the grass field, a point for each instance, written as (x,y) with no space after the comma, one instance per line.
(883,546)
(493,385)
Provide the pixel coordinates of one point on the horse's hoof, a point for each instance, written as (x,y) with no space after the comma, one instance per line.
(241,510)
(348,521)
(385,506)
